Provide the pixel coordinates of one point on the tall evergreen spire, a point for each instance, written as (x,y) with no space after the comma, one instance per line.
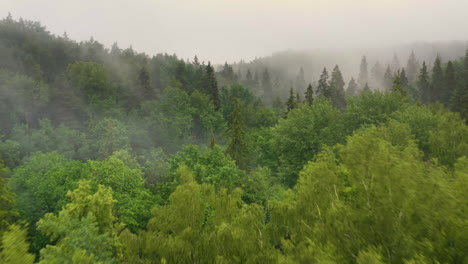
(363,73)
(309,95)
(237,147)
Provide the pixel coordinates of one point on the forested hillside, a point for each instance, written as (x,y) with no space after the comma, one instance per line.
(116,156)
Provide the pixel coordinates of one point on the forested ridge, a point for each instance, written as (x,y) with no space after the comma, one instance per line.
(115,156)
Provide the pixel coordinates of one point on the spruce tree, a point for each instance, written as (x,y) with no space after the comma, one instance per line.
(423,84)
(237,147)
(309,95)
(300,81)
(323,87)
(399,83)
(388,79)
(211,86)
(352,88)
(437,84)
(337,88)
(366,88)
(412,68)
(291,102)
(267,88)
(248,76)
(363,73)
(450,83)
(298,99)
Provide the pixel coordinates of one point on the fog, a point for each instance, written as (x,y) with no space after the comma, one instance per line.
(221,30)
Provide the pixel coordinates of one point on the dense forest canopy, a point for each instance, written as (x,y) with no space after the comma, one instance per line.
(114,156)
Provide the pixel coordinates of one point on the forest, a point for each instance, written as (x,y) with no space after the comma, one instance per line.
(108,155)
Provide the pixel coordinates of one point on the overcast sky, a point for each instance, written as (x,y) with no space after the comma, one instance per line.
(228,30)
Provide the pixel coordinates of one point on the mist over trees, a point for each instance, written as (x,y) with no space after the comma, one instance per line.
(108,155)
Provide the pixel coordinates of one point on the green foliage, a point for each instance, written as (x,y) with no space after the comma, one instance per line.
(42,182)
(15,247)
(133,200)
(83,229)
(301,136)
(372,108)
(7,214)
(209,166)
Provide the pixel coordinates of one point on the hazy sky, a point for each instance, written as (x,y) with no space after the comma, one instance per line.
(220,30)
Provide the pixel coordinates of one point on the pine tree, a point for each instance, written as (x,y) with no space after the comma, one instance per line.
(363,73)
(388,79)
(309,95)
(211,86)
(266,85)
(412,68)
(323,87)
(337,94)
(237,147)
(291,102)
(437,84)
(352,88)
(423,84)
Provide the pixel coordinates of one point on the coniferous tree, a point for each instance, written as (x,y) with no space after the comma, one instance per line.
(323,88)
(377,75)
(400,82)
(256,79)
(291,102)
(366,88)
(450,83)
(412,68)
(267,88)
(388,79)
(437,84)
(363,73)
(337,88)
(180,75)
(237,147)
(459,100)
(395,66)
(300,81)
(248,76)
(423,84)
(144,82)
(211,86)
(352,88)
(309,95)
(228,72)
(298,99)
